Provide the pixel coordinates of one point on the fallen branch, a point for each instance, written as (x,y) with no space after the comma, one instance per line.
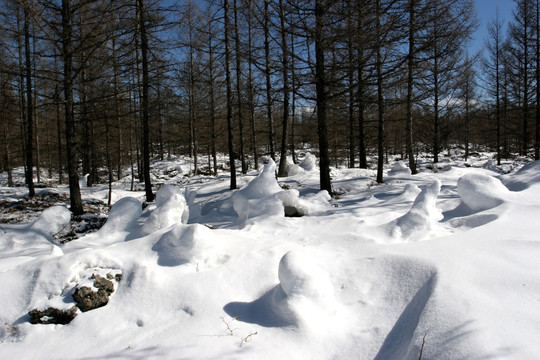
(229,330)
(422,348)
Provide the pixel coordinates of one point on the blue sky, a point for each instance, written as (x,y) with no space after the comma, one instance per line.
(486,10)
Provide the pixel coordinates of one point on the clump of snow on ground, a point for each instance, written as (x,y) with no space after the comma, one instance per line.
(399,169)
(51,221)
(309,163)
(123,215)
(422,215)
(480,191)
(171,207)
(264,196)
(259,196)
(528,175)
(187,244)
(347,281)
(305,295)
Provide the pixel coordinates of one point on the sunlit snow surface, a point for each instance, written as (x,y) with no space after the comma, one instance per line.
(452,253)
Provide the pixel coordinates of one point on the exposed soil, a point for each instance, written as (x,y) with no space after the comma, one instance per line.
(25,210)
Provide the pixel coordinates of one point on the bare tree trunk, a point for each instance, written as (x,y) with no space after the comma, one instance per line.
(194,153)
(22,91)
(360,95)
(320,84)
(59,133)
(435,107)
(293,105)
(350,77)
(537,135)
(267,74)
(250,88)
(229,95)
(410,84)
(380,99)
(239,89)
(119,145)
(212,100)
(145,102)
(285,63)
(108,157)
(71,144)
(133,120)
(35,114)
(526,85)
(7,164)
(29,108)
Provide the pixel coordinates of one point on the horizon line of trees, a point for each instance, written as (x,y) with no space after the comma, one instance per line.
(87,85)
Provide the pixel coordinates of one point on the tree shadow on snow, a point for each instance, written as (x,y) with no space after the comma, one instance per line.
(399,341)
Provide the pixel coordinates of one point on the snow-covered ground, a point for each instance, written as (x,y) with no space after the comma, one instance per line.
(451,256)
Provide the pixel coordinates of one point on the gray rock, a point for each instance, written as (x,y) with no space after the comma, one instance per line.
(87,299)
(52,316)
(291,211)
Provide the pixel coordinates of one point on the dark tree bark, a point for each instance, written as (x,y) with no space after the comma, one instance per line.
(410,85)
(494,47)
(29,107)
(293,102)
(145,102)
(351,105)
(322,97)
(119,145)
(250,87)
(380,98)
(361,92)
(286,92)
(537,135)
(59,133)
(267,73)
(212,97)
(239,90)
(229,95)
(71,142)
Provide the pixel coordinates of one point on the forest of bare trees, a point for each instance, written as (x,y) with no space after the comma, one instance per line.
(102,87)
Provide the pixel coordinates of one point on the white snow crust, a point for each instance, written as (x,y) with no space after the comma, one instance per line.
(481,192)
(210,273)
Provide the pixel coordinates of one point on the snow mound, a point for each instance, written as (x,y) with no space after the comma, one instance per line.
(410,192)
(316,204)
(258,197)
(491,164)
(51,221)
(123,214)
(171,208)
(169,169)
(481,192)
(263,185)
(263,197)
(305,294)
(291,199)
(399,169)
(524,177)
(293,169)
(421,216)
(309,163)
(185,244)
